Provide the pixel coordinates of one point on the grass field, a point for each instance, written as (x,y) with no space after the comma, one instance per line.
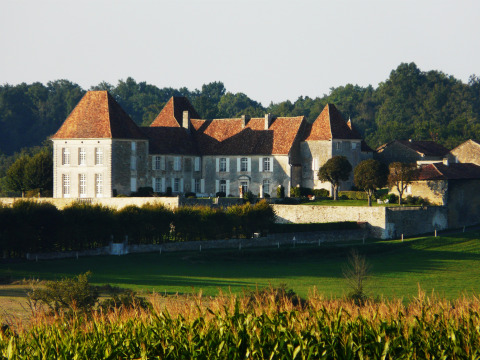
(448,265)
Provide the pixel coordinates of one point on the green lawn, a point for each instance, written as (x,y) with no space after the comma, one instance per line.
(449,266)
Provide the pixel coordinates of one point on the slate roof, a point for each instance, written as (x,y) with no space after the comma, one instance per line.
(231,137)
(453,171)
(98,116)
(425,148)
(330,125)
(172,113)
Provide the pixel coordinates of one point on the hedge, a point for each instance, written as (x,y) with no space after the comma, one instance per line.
(28,226)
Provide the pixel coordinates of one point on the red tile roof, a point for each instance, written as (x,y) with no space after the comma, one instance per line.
(330,125)
(98,116)
(425,148)
(453,171)
(229,137)
(172,114)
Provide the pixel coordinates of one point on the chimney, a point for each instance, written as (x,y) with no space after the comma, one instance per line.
(268,120)
(186,120)
(245,120)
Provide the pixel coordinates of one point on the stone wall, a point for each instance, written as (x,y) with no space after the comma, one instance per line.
(272,241)
(374,216)
(414,220)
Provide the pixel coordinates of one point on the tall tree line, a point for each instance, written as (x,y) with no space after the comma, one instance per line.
(409,104)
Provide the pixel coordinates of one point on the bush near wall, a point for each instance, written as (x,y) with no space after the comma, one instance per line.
(29,227)
(354,195)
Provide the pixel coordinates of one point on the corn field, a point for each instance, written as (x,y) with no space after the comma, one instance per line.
(257,327)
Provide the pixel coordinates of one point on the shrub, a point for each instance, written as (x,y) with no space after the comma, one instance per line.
(169,191)
(220,194)
(190,194)
(68,294)
(321,193)
(249,197)
(125,300)
(266,196)
(146,191)
(354,195)
(280,191)
(392,198)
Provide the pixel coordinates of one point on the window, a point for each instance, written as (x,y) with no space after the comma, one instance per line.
(354,145)
(223,186)
(197,164)
(244,186)
(133,162)
(244,164)
(66,185)
(158,163)
(223,164)
(81,156)
(82,185)
(65,156)
(266,186)
(338,145)
(157,185)
(98,156)
(99,185)
(176,185)
(197,188)
(133,184)
(177,163)
(266,164)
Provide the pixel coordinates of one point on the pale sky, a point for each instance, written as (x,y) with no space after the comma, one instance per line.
(270,50)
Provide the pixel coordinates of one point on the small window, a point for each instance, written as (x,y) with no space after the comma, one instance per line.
(197,164)
(176,185)
(158,185)
(158,163)
(133,184)
(82,181)
(338,145)
(99,185)
(223,164)
(266,186)
(177,163)
(82,155)
(66,185)
(266,164)
(197,188)
(244,164)
(65,156)
(223,186)
(354,145)
(244,186)
(98,156)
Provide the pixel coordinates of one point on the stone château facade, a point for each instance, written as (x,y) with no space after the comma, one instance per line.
(100,152)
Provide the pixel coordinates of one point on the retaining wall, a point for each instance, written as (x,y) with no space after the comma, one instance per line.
(272,240)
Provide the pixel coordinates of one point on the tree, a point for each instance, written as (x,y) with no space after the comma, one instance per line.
(39,172)
(336,169)
(401,174)
(357,272)
(370,175)
(15,178)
